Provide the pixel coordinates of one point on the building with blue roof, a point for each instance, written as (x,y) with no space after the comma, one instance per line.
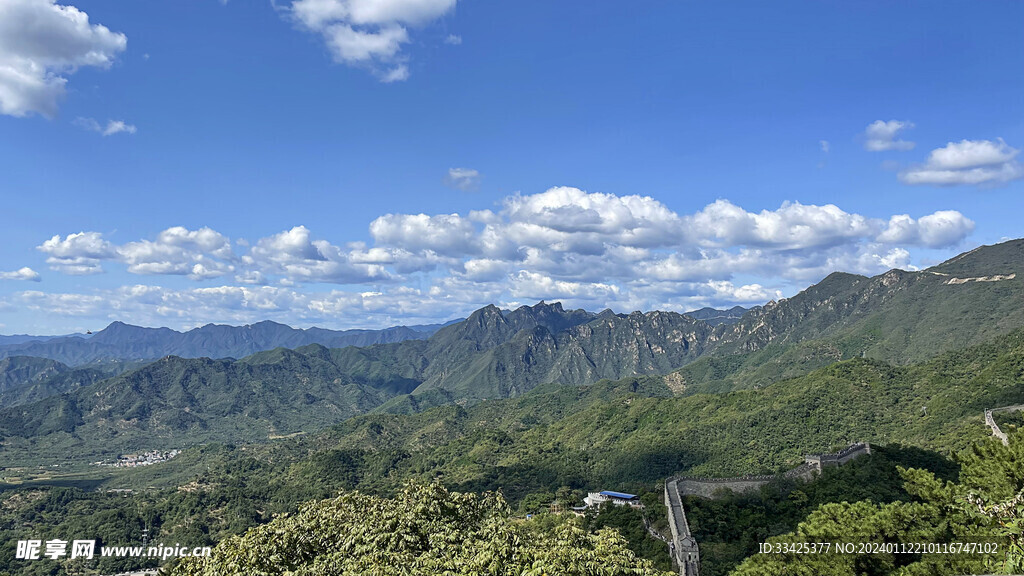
(595,499)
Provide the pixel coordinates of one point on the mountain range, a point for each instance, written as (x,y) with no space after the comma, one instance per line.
(25,379)
(120,341)
(899,317)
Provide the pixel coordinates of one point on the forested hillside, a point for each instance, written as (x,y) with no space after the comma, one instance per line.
(628,435)
(899,317)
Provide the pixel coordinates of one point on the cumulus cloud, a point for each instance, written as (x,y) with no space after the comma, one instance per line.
(792,226)
(199,254)
(943,228)
(568,219)
(527,285)
(41,43)
(968,162)
(444,233)
(25,273)
(297,256)
(724,290)
(587,249)
(880,136)
(112,127)
(397,74)
(465,179)
(369,33)
(78,254)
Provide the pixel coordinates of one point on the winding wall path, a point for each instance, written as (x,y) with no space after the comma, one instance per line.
(683,546)
(991,422)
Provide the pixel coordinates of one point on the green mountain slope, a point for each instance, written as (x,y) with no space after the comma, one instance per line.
(626,435)
(495,354)
(176,402)
(24,379)
(631,434)
(20,370)
(898,317)
(608,346)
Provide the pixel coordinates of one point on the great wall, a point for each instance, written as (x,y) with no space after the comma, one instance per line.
(683,546)
(990,421)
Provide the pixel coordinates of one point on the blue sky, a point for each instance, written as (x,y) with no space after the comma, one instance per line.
(231,162)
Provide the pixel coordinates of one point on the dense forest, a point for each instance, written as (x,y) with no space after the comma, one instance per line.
(626,435)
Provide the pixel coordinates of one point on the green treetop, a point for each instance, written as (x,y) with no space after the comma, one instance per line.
(426,530)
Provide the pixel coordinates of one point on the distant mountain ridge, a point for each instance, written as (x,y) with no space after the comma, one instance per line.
(18,370)
(120,341)
(22,338)
(175,401)
(715,317)
(898,317)
(489,355)
(25,379)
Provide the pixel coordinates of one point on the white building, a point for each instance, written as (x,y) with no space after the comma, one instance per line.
(594,499)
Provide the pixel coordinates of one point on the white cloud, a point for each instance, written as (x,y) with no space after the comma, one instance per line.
(569,219)
(295,255)
(701,265)
(485,269)
(587,249)
(792,226)
(941,229)
(117,127)
(25,273)
(895,258)
(968,162)
(67,304)
(41,43)
(399,73)
(880,136)
(356,46)
(723,290)
(971,154)
(465,179)
(177,251)
(112,127)
(160,306)
(369,33)
(533,286)
(289,246)
(824,145)
(79,253)
(252,277)
(202,240)
(453,40)
(199,254)
(448,234)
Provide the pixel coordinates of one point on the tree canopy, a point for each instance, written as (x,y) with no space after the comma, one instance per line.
(984,506)
(425,530)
